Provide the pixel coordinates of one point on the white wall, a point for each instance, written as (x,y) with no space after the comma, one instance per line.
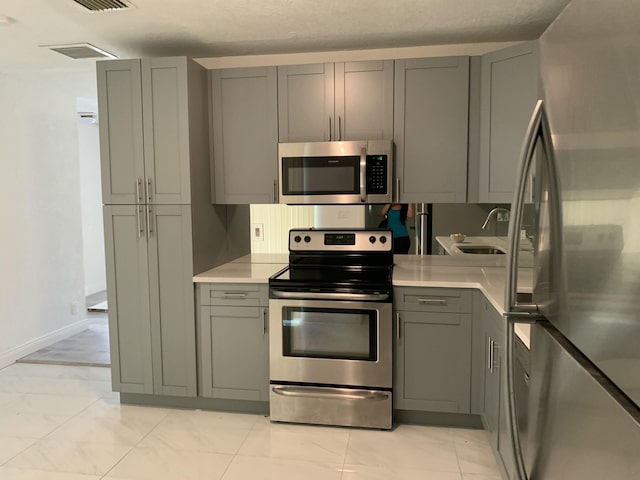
(95,276)
(41,264)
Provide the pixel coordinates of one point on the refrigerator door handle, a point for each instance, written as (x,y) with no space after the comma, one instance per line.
(526,159)
(538,129)
(521,311)
(517,312)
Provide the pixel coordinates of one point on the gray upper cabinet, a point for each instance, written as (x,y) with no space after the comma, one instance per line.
(244,109)
(431,105)
(341,101)
(144,124)
(509,91)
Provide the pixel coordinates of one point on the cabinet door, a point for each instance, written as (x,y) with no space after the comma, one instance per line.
(306,103)
(509,91)
(121,140)
(166,130)
(245,135)
(492,380)
(128,297)
(171,299)
(363,100)
(236,352)
(431,103)
(433,362)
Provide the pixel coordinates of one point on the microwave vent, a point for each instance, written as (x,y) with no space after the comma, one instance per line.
(103,5)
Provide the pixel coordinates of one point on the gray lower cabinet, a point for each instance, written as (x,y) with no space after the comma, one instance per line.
(336,101)
(433,349)
(509,91)
(244,105)
(149,276)
(494,415)
(431,116)
(233,329)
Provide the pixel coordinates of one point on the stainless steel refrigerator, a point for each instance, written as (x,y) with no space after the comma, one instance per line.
(579,199)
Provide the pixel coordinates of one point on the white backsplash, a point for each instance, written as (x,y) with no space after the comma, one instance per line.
(275,221)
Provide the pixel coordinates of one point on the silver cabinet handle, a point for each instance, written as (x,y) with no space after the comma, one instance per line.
(363,174)
(275,191)
(326,392)
(149,190)
(138,189)
(149,220)
(330,128)
(398,333)
(234,295)
(139,213)
(490,356)
(265,321)
(339,128)
(432,301)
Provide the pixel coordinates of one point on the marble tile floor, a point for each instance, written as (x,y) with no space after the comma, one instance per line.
(64,423)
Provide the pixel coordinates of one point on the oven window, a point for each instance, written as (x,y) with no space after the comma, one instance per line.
(330,333)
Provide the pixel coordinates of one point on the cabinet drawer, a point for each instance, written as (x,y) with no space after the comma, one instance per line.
(433,300)
(234,294)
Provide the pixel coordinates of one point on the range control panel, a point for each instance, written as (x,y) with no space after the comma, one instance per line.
(334,240)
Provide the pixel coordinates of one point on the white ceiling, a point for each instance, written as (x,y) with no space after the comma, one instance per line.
(214,28)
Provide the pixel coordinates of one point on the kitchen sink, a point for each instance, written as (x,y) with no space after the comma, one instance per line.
(480,249)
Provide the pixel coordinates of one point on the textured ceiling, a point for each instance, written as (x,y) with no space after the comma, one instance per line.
(212,28)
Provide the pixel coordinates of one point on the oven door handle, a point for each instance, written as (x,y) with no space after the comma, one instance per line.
(330,295)
(331,393)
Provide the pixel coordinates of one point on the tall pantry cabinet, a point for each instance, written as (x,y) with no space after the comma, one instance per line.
(160,226)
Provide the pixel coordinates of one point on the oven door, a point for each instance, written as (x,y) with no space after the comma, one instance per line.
(331,342)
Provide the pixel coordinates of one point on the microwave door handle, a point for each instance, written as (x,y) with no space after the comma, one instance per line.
(363,174)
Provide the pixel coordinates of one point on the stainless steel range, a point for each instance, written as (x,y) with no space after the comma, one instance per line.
(331,327)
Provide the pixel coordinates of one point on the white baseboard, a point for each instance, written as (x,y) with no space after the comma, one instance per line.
(9,357)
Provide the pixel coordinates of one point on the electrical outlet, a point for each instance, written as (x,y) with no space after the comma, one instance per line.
(258,232)
(502,217)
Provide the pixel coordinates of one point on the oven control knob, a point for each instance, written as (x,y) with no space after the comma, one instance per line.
(297,239)
(383,239)
(372,239)
(307,238)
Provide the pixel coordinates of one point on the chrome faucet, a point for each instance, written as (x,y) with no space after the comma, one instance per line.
(493,212)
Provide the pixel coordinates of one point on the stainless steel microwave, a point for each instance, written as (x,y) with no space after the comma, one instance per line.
(336,172)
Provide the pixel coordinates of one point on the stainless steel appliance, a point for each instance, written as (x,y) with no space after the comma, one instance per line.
(352,172)
(331,330)
(583,151)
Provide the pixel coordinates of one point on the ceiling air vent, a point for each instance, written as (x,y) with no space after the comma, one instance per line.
(103,5)
(80,50)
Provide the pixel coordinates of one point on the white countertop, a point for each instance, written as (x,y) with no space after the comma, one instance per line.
(487,275)
(252,268)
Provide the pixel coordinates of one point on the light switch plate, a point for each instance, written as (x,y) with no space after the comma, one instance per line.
(258,231)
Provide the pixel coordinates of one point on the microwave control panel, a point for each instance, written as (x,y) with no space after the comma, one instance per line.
(377,168)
